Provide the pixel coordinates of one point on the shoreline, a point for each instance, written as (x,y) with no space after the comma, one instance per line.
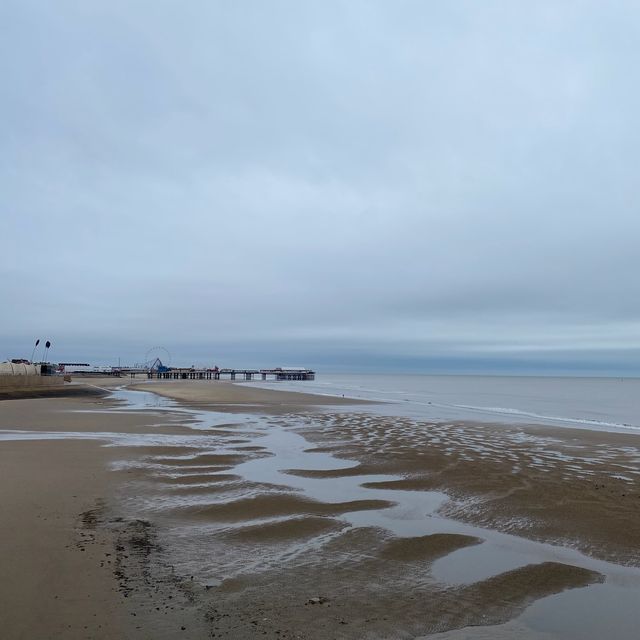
(438,406)
(125,496)
(226,395)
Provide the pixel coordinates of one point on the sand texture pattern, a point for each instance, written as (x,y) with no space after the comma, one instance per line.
(152,520)
(566,485)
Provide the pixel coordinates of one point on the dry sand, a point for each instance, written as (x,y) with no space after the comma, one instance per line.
(84,558)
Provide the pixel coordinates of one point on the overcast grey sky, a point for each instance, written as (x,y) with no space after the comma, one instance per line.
(415,185)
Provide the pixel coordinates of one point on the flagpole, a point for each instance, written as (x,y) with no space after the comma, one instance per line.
(34,349)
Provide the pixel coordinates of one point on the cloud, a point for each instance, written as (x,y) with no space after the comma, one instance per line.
(387,179)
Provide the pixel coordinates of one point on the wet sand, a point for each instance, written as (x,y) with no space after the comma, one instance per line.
(278,519)
(570,486)
(61,391)
(225,395)
(68,554)
(51,583)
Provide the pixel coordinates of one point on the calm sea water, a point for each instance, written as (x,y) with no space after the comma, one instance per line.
(597,403)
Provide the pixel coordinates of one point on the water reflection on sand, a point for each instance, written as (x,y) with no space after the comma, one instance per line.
(234,474)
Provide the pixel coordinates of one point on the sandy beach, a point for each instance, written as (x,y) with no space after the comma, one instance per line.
(226,396)
(219,510)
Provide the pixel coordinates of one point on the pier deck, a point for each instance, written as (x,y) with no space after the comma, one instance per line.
(232,374)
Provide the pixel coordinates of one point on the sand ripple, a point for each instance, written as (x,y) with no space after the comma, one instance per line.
(268,506)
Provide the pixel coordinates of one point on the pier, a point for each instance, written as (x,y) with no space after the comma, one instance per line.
(278,373)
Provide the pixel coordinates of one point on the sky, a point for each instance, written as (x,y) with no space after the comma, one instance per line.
(345,185)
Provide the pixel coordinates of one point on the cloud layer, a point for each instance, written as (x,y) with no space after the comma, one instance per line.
(429,186)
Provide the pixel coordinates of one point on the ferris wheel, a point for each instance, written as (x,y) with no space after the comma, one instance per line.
(157,357)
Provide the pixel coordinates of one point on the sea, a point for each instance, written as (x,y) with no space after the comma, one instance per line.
(609,404)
